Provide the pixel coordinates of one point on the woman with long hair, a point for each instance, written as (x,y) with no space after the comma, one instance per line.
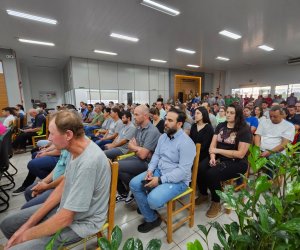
(258,113)
(228,156)
(202,132)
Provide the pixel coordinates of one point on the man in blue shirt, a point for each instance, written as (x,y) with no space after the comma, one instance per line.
(252,121)
(169,171)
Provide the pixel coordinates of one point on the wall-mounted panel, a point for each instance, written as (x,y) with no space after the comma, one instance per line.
(153,75)
(108,75)
(125,76)
(80,73)
(141,78)
(93,74)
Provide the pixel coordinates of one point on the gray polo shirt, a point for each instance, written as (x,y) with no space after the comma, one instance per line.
(86,190)
(147,137)
(106,123)
(127,132)
(115,127)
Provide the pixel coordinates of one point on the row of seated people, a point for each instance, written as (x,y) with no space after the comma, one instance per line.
(164,161)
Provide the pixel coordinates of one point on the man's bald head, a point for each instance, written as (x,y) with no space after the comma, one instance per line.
(141,115)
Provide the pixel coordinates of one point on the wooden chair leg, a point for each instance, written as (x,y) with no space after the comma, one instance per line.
(192,209)
(169,221)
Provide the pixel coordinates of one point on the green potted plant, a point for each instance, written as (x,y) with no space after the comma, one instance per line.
(268,214)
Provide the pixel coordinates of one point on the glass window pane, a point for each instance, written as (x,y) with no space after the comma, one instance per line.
(109,95)
(95,96)
(295,88)
(282,90)
(81,95)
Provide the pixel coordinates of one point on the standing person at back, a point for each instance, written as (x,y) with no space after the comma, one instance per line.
(162,112)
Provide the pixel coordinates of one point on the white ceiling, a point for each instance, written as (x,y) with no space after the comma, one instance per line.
(86,25)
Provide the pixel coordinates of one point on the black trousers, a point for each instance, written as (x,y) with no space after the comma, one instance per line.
(211,177)
(21,140)
(129,168)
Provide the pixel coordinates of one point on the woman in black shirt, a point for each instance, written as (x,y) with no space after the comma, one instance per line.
(228,156)
(202,132)
(157,122)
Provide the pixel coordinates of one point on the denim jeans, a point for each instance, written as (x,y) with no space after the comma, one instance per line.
(32,201)
(88,130)
(42,143)
(113,153)
(102,144)
(156,198)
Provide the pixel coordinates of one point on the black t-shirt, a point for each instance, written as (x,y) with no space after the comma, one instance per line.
(38,121)
(295,119)
(204,137)
(229,139)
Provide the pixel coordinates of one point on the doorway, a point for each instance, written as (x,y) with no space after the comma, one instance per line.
(186,87)
(3,91)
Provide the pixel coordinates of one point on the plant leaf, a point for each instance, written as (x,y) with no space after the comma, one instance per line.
(104,244)
(138,244)
(277,203)
(154,244)
(50,244)
(203,229)
(263,216)
(116,238)
(129,244)
(292,225)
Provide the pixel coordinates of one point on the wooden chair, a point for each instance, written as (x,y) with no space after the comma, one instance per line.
(237,187)
(190,204)
(36,138)
(109,225)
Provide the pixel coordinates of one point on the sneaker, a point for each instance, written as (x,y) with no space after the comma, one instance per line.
(120,197)
(201,199)
(214,210)
(19,190)
(130,198)
(148,226)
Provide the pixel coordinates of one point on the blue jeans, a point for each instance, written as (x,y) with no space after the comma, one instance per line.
(157,197)
(32,201)
(88,130)
(102,144)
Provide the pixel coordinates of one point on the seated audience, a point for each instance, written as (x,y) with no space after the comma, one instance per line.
(162,112)
(169,171)
(96,122)
(228,156)
(212,118)
(143,145)
(38,192)
(2,129)
(8,113)
(120,144)
(202,132)
(252,121)
(83,110)
(221,117)
(259,114)
(114,129)
(156,120)
(273,134)
(19,144)
(78,206)
(40,166)
(297,105)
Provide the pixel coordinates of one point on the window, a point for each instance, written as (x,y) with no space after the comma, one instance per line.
(295,88)
(282,90)
(255,92)
(109,95)
(141,97)
(123,95)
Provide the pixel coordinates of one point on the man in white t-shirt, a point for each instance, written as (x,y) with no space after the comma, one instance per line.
(273,134)
(9,118)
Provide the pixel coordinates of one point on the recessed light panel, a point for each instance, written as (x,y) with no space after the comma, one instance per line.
(186,51)
(230,34)
(35,42)
(160,7)
(124,37)
(31,17)
(221,58)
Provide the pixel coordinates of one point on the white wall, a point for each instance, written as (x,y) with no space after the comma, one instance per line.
(11,77)
(102,75)
(262,76)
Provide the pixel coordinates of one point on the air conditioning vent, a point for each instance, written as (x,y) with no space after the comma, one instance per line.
(293,61)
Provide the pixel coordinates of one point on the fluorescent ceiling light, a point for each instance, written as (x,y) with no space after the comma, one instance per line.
(31,17)
(221,58)
(230,34)
(265,47)
(35,42)
(160,7)
(186,51)
(193,66)
(105,52)
(128,38)
(158,60)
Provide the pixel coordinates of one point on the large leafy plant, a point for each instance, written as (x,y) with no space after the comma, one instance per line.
(130,244)
(268,211)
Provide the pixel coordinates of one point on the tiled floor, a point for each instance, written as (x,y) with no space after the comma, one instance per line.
(128,219)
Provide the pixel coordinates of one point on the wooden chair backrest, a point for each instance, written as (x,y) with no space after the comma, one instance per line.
(195,167)
(47,126)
